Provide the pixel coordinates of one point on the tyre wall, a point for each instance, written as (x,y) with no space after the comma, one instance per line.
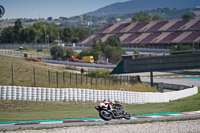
(69,94)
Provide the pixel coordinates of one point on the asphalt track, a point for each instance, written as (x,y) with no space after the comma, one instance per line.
(93,65)
(188,81)
(92,121)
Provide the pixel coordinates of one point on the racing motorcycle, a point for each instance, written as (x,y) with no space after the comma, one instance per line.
(113,111)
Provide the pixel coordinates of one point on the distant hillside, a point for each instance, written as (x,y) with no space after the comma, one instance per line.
(141,5)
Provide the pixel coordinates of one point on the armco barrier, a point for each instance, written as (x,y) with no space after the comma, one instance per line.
(69,94)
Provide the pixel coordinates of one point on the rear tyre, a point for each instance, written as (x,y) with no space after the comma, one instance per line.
(105,115)
(127,116)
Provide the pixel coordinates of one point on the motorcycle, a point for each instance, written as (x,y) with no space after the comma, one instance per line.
(113,111)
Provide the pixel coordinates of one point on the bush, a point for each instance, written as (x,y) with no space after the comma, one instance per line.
(69,52)
(137,54)
(181,47)
(84,52)
(57,52)
(113,54)
(39,50)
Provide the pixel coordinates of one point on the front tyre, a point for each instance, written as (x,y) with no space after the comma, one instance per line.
(127,116)
(105,115)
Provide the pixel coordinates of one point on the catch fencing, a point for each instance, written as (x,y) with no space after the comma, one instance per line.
(69,94)
(47,78)
(22,53)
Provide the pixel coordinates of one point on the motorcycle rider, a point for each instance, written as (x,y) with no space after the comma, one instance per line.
(108,110)
(106,104)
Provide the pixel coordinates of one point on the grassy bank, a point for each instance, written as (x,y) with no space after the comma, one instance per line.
(34,110)
(23,76)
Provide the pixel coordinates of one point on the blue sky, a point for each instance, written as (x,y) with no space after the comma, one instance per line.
(53,8)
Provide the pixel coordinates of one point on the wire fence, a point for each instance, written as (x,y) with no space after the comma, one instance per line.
(63,79)
(22,53)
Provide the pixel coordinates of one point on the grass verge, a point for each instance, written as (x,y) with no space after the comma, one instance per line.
(23,76)
(48,110)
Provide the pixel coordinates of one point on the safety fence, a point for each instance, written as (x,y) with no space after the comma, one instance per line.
(22,53)
(69,94)
(63,79)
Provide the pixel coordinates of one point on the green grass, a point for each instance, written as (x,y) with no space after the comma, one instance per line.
(33,50)
(34,110)
(47,110)
(23,75)
(23,72)
(186,104)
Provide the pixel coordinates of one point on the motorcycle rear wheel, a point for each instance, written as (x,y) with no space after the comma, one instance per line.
(127,116)
(105,115)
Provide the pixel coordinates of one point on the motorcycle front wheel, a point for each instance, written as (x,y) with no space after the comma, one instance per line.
(105,115)
(127,116)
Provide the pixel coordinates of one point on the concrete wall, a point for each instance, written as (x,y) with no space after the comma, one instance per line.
(69,94)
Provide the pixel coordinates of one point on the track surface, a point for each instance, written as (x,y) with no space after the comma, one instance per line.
(190,81)
(88,121)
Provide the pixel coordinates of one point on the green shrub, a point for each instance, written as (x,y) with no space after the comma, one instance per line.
(57,52)
(99,73)
(181,47)
(39,50)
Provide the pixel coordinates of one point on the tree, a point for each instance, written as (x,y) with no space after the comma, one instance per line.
(75,39)
(57,52)
(39,29)
(84,52)
(96,50)
(113,54)
(45,32)
(156,18)
(69,52)
(16,30)
(7,35)
(24,35)
(80,33)
(187,16)
(113,41)
(67,34)
(32,38)
(102,45)
(96,46)
(52,33)
(112,49)
(141,17)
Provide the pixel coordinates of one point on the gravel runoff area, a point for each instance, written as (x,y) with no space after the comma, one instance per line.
(189,126)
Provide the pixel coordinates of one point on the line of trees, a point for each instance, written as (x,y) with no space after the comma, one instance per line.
(42,32)
(145,17)
(111,49)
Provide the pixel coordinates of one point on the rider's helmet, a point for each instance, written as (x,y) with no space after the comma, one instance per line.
(105,101)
